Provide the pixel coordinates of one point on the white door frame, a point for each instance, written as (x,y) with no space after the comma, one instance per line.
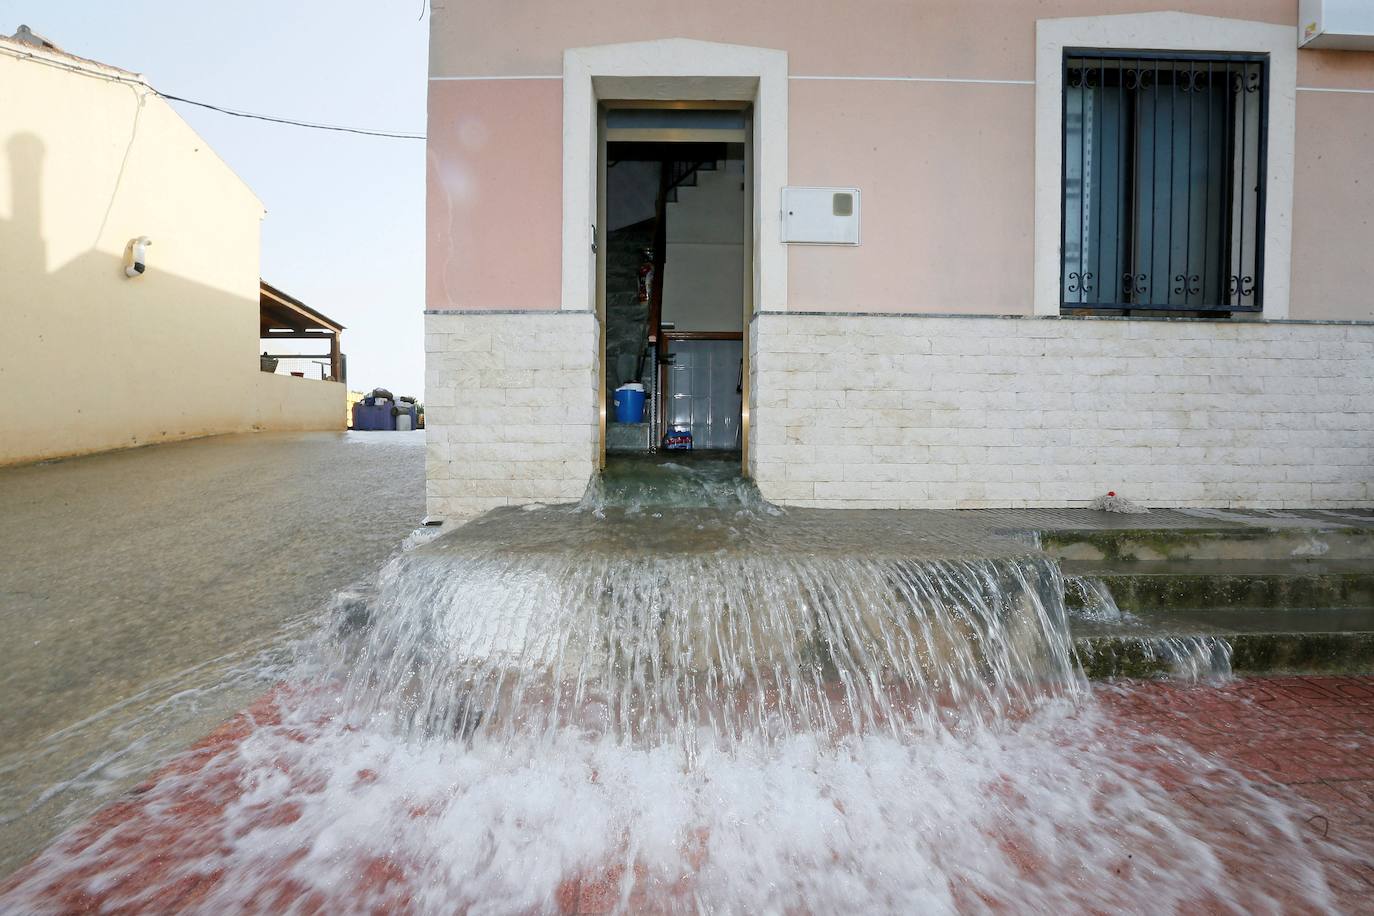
(602,236)
(673,69)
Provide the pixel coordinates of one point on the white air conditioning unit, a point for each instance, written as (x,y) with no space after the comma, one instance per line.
(1347,25)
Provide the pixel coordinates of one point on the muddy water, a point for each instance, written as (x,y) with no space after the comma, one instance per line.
(147,595)
(721,707)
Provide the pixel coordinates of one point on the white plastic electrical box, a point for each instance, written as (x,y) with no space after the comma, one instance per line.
(1347,25)
(820,216)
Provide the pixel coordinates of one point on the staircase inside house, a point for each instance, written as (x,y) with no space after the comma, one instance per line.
(692,228)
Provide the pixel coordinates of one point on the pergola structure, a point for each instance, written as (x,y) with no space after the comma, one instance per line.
(285,317)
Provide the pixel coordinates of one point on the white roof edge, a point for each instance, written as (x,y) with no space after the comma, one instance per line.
(70,61)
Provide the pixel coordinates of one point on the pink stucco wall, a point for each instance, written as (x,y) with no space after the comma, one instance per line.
(493,201)
(946,169)
(947,177)
(969,38)
(1333,207)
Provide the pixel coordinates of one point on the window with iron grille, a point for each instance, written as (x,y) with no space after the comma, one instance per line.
(1163,181)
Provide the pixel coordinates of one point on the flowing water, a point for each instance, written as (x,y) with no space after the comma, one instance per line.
(715,707)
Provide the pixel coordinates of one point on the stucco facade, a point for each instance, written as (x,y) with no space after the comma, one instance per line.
(91,359)
(931,109)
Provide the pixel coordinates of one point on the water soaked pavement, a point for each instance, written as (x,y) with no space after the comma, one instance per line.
(147,595)
(427,763)
(1222,757)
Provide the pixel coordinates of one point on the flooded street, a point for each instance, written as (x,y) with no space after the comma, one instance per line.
(673,699)
(147,595)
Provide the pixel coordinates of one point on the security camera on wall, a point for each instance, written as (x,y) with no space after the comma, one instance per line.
(136,256)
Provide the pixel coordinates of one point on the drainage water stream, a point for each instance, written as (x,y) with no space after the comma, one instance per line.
(703,708)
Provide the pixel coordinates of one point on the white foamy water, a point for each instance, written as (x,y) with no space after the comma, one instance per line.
(1053,813)
(712,711)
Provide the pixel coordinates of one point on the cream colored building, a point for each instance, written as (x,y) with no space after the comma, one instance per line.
(91,159)
(996,254)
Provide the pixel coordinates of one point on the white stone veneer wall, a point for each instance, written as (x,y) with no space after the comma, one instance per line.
(511,409)
(958,412)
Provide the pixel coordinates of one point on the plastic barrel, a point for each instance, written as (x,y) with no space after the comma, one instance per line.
(629,404)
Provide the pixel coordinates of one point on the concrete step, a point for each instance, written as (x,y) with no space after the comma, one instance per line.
(1220,585)
(1130,653)
(1225,599)
(1213,621)
(1331,542)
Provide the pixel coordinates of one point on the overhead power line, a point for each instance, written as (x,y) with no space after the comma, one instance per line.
(142,83)
(366,132)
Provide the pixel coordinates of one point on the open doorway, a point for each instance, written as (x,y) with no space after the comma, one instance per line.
(675,275)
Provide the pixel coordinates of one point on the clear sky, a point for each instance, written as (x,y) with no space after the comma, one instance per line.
(344,230)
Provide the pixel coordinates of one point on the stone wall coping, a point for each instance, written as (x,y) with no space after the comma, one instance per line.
(968,315)
(1227,321)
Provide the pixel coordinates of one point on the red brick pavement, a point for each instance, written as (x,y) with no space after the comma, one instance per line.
(1308,741)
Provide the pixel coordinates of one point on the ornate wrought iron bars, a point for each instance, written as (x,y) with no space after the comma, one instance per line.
(1163,181)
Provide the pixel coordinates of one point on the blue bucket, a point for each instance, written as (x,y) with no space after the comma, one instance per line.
(629,403)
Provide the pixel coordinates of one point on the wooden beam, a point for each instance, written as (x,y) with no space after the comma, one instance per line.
(660,249)
(335,358)
(656,296)
(311,319)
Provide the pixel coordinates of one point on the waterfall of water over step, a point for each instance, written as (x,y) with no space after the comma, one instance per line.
(741,626)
